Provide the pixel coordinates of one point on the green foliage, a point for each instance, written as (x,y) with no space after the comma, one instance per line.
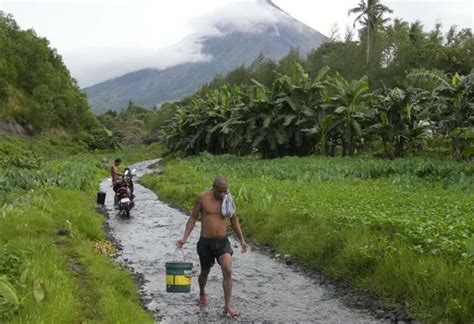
(453,103)
(53,188)
(14,271)
(316,109)
(302,115)
(27,166)
(241,120)
(370,14)
(400,118)
(88,286)
(98,139)
(402,229)
(395,49)
(335,55)
(28,161)
(8,299)
(136,125)
(36,89)
(349,104)
(275,111)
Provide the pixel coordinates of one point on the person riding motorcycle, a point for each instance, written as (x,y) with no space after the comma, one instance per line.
(117,176)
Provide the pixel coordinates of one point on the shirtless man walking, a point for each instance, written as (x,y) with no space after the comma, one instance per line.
(213,243)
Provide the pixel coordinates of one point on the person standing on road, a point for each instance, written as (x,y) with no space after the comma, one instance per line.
(215,206)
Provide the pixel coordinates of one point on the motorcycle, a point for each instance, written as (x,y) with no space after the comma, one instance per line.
(128,177)
(124,192)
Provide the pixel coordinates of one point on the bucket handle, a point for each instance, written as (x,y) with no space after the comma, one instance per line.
(182,251)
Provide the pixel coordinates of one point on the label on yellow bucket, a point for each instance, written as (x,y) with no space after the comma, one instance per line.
(178,280)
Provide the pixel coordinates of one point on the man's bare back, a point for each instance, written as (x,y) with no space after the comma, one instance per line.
(116,175)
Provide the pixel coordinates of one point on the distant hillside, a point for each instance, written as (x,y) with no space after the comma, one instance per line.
(37,92)
(228,50)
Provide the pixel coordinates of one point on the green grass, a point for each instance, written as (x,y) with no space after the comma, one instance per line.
(41,194)
(402,229)
(29,232)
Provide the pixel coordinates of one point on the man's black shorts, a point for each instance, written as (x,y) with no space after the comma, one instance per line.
(210,249)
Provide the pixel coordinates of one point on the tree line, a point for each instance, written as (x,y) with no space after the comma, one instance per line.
(302,115)
(398,87)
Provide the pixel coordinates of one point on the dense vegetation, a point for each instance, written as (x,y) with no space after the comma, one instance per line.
(397,89)
(48,188)
(300,115)
(37,91)
(402,229)
(411,93)
(136,125)
(51,237)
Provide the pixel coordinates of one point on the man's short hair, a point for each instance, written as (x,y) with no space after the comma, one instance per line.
(220,180)
(118,160)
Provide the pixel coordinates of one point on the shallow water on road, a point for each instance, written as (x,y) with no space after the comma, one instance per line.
(265,290)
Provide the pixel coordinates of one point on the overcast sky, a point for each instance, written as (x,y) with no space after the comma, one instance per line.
(115,31)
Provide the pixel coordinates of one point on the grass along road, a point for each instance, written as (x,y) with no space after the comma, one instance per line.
(54,262)
(401,229)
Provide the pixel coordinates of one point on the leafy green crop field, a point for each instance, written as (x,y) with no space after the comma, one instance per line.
(401,229)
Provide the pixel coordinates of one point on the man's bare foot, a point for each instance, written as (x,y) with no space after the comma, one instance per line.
(231,312)
(203,300)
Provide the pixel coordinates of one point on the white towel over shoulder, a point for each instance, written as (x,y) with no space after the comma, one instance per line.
(228,206)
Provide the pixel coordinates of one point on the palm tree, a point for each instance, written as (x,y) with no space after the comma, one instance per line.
(370,15)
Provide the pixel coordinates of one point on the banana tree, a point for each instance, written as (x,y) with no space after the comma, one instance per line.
(226,127)
(350,103)
(400,117)
(324,130)
(189,128)
(229,130)
(296,101)
(453,101)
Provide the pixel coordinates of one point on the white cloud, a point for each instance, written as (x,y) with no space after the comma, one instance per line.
(242,16)
(100,39)
(96,64)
